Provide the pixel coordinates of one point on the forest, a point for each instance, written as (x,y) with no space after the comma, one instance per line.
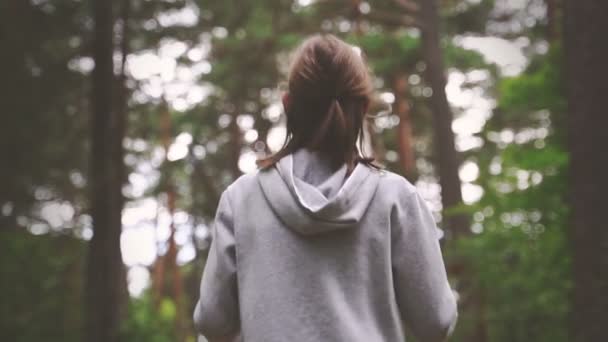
(124,120)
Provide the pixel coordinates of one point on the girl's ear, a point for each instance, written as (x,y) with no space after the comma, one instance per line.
(286,101)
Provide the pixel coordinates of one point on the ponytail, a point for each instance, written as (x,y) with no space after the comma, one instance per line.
(335,135)
(333,124)
(326,65)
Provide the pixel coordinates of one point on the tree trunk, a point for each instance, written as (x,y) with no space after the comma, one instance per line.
(552,30)
(119,131)
(104,272)
(405,139)
(163,261)
(175,272)
(586,70)
(16,89)
(236,143)
(447,158)
(167,264)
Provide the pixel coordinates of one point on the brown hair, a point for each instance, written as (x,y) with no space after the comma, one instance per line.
(329,92)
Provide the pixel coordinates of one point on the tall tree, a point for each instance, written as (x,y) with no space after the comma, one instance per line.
(33,63)
(104,271)
(586,67)
(401,106)
(447,158)
(552,29)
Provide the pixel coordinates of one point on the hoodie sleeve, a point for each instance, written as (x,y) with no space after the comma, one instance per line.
(424,296)
(216,315)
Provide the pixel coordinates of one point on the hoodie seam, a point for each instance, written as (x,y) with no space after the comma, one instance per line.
(233,229)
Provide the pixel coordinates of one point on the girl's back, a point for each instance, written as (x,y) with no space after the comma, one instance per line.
(310,249)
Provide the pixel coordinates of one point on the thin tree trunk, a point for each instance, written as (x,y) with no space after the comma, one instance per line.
(119,130)
(171,261)
(167,264)
(158,284)
(104,274)
(405,138)
(586,70)
(447,158)
(158,271)
(236,142)
(552,20)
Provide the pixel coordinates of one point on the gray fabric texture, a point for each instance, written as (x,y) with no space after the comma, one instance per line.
(303,252)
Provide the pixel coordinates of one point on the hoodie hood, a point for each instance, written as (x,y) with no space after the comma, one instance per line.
(310,197)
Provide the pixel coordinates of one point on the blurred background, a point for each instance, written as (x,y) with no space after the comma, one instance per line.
(124,120)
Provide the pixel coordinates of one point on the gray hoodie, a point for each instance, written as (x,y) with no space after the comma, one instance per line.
(301,252)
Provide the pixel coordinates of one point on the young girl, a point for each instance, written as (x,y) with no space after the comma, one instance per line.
(320,244)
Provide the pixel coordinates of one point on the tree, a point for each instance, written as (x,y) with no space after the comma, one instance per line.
(104,283)
(41,122)
(586,69)
(407,158)
(447,158)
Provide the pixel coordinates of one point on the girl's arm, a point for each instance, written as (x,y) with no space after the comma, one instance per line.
(424,296)
(226,339)
(217,312)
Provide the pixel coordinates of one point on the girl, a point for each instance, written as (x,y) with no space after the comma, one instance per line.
(320,244)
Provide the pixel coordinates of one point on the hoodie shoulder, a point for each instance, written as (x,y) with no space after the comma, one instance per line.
(245,183)
(394,184)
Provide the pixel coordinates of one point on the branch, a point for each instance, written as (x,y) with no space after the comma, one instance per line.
(408,5)
(388,18)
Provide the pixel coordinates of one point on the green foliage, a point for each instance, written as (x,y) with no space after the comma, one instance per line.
(523,281)
(540,88)
(467,16)
(41,281)
(41,120)
(387,53)
(146,324)
(520,254)
(464,60)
